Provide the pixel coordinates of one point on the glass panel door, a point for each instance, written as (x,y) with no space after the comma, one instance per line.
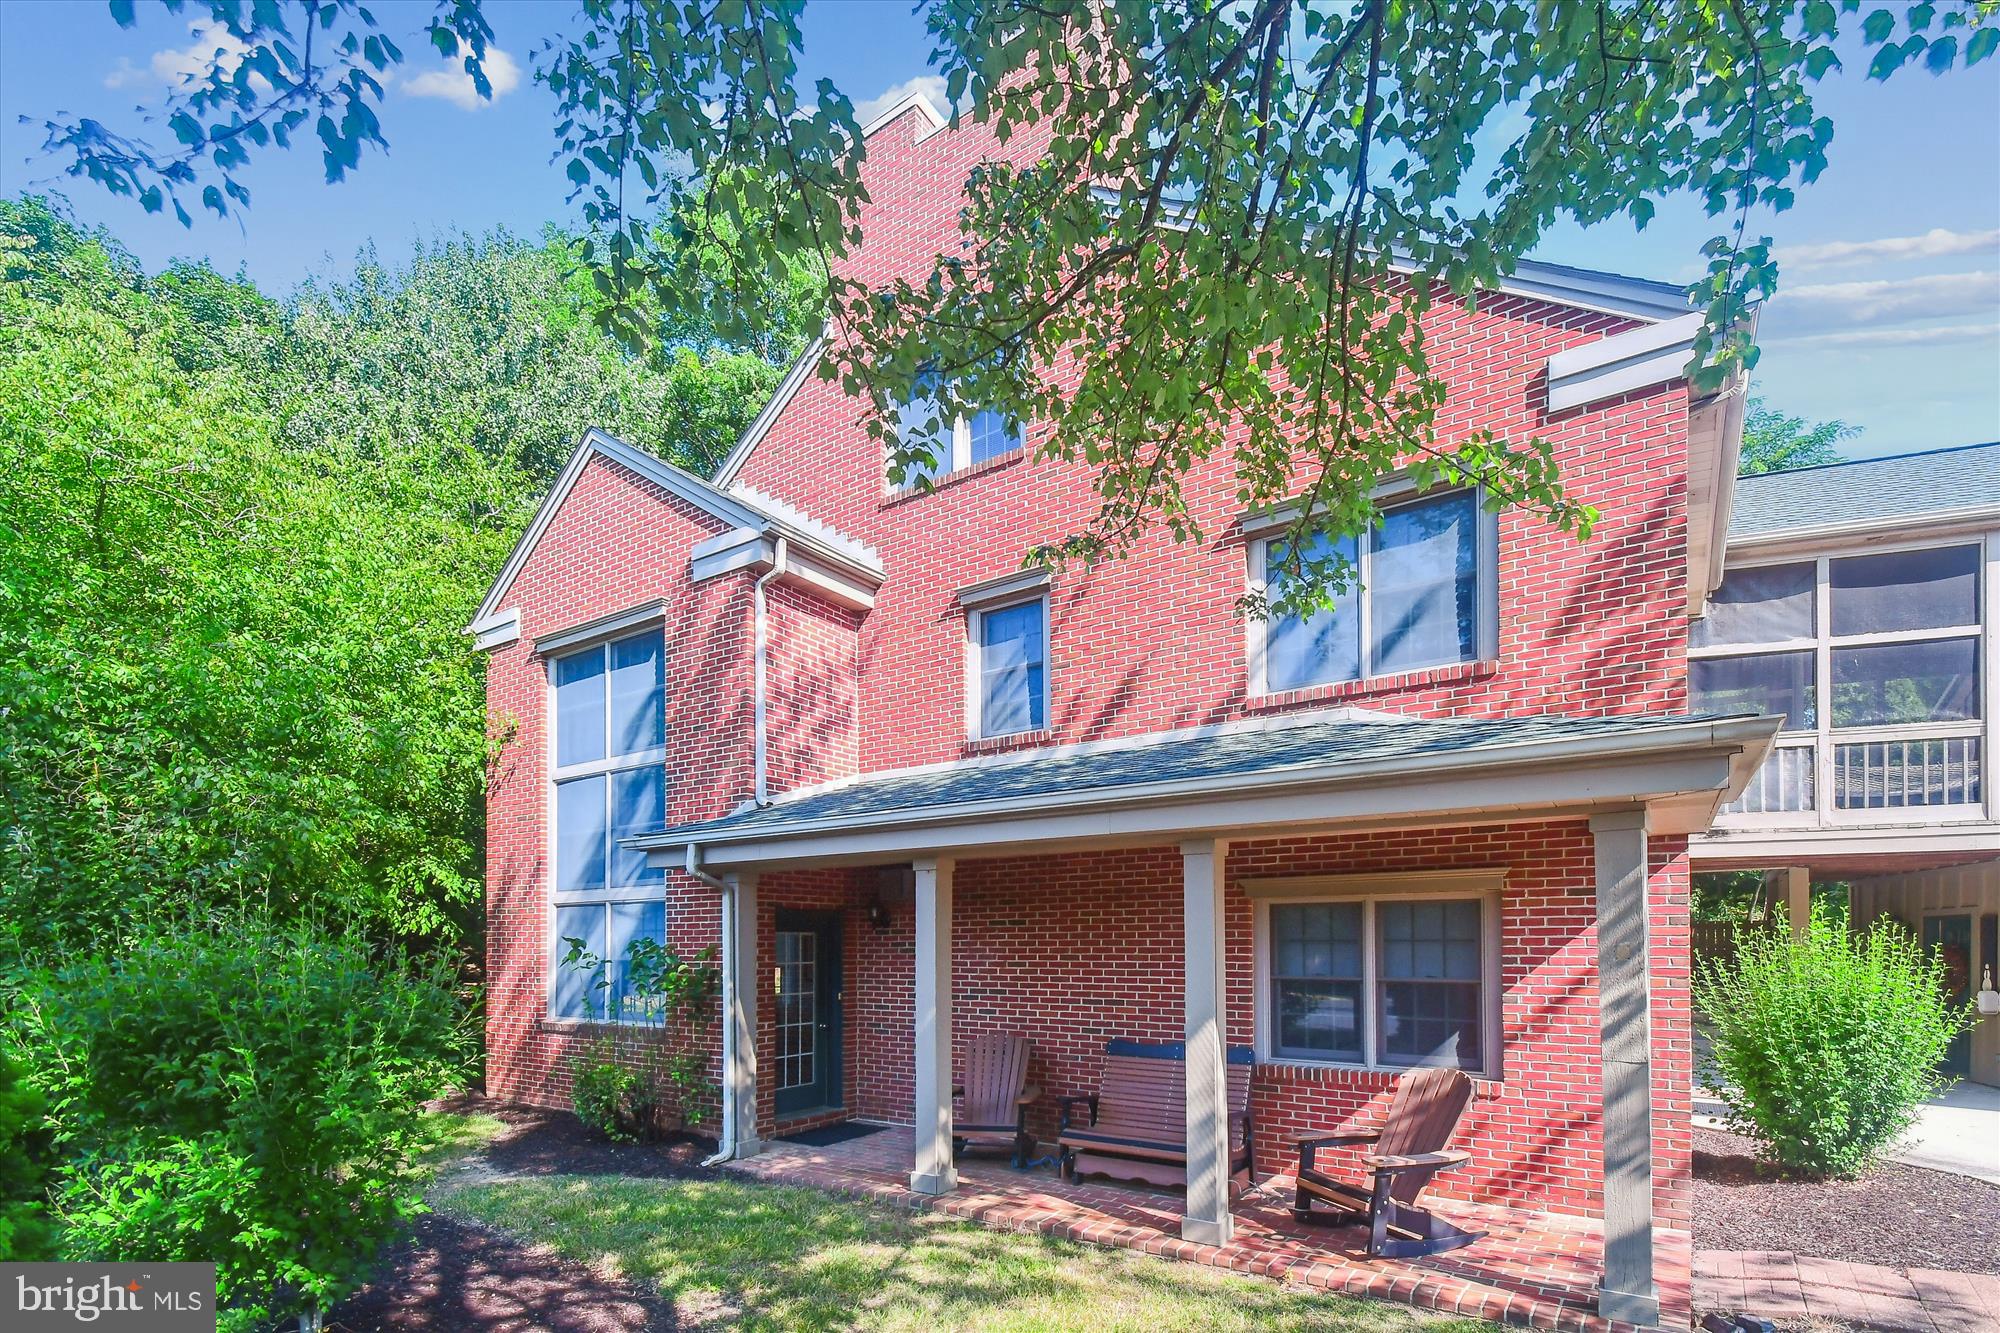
(1951,937)
(807,1009)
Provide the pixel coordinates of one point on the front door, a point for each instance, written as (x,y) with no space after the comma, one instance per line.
(808,994)
(1951,936)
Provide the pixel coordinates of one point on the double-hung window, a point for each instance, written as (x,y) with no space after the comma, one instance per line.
(1421,597)
(1009,668)
(1390,979)
(1872,660)
(609,783)
(954,445)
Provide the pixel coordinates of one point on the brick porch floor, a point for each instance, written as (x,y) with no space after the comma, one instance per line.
(1533,1269)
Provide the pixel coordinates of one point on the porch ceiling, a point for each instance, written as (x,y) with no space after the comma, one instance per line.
(1259,780)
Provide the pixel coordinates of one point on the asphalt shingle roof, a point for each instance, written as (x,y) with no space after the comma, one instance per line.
(1866,489)
(1216,755)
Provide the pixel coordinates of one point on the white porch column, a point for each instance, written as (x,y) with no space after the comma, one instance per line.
(1624,999)
(1206,1220)
(740,1132)
(934,1172)
(1798,899)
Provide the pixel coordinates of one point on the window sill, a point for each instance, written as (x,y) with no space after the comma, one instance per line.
(1374,1078)
(1019,740)
(585,1027)
(901,494)
(1454,674)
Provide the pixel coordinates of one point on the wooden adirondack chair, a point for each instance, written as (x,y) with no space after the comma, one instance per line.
(1409,1150)
(994,1097)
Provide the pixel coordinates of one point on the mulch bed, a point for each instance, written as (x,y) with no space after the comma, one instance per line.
(455,1276)
(1898,1216)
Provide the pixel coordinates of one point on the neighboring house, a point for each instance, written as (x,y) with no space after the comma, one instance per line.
(914,792)
(1858,606)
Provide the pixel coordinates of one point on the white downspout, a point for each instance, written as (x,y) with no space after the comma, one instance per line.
(763,751)
(725,1146)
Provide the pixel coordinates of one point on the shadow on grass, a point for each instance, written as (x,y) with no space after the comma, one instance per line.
(773,1257)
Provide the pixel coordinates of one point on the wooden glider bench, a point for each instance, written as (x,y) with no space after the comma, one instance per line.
(994,1097)
(1409,1150)
(1137,1129)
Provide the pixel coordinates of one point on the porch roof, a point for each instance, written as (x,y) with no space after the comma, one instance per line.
(1199,779)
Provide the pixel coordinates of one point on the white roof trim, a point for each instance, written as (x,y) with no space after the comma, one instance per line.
(1925,523)
(914,101)
(495,631)
(731,510)
(761,424)
(1636,359)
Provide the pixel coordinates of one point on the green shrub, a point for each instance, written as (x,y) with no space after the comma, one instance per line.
(602,1091)
(25,1233)
(244,1091)
(1825,1045)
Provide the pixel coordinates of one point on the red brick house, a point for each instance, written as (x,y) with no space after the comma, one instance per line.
(915,793)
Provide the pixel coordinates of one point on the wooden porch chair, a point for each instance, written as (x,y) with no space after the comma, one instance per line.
(1409,1150)
(994,1097)
(1137,1125)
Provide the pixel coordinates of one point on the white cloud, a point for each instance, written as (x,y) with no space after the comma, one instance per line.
(1831,304)
(1933,244)
(931,86)
(214,49)
(454,85)
(1931,337)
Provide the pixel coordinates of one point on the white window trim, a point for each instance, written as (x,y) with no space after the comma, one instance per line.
(1484,886)
(599,636)
(1823,736)
(975,697)
(1390,495)
(958,451)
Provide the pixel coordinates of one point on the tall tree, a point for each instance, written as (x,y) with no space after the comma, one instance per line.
(1232,213)
(1773,441)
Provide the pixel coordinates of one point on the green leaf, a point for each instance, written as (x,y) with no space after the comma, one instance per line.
(1877,27)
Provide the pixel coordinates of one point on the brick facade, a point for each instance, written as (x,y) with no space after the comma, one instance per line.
(1072,949)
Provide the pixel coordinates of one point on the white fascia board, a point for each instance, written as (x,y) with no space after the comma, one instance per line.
(760,425)
(757,550)
(1616,365)
(1711,758)
(1821,845)
(1606,293)
(935,120)
(1557,790)
(495,631)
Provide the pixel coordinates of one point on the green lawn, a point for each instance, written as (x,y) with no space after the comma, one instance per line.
(769,1257)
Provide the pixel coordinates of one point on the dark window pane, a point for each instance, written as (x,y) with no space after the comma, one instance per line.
(1423,584)
(638,805)
(1777,683)
(1312,650)
(1430,1022)
(636,694)
(1316,939)
(1768,605)
(1906,682)
(1896,590)
(1434,939)
(580,834)
(572,991)
(580,707)
(1318,1020)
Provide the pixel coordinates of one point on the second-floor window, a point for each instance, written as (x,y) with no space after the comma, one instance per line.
(1009,677)
(957,445)
(1872,660)
(609,775)
(1419,601)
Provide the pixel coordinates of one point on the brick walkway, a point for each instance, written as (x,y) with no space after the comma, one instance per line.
(1780,1285)
(1534,1269)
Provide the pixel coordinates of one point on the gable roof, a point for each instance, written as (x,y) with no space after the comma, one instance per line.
(1934,485)
(740,508)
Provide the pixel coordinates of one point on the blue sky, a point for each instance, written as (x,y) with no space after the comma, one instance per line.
(1889,317)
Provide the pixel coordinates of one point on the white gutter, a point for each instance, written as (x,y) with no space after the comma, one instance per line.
(763,744)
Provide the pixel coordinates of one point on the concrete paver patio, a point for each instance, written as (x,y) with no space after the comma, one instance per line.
(1534,1269)
(1779,1285)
